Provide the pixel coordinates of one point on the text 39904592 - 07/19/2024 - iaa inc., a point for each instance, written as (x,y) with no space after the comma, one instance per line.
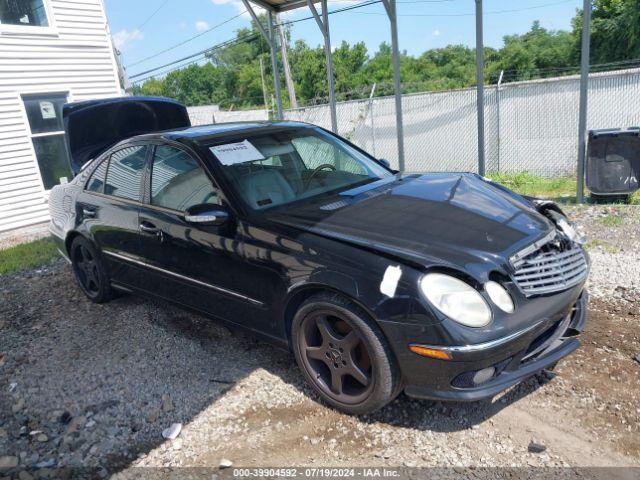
(445,286)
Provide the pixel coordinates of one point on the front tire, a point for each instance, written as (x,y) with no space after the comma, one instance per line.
(89,270)
(343,355)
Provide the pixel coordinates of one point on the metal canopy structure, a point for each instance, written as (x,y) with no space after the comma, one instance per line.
(322,19)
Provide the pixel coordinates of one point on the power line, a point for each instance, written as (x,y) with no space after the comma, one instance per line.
(173,47)
(233,41)
(152,15)
(194,58)
(494,12)
(185,41)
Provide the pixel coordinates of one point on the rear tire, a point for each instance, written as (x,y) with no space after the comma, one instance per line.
(90,271)
(343,355)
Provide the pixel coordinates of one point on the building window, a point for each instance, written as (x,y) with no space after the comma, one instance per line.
(44,113)
(28,13)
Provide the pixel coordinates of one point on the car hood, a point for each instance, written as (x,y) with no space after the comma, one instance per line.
(446,219)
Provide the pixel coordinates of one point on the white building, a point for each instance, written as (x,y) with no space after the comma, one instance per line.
(51,52)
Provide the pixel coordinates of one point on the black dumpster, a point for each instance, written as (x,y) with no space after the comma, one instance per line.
(613,161)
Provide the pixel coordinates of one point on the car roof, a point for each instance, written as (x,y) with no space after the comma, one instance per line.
(215,131)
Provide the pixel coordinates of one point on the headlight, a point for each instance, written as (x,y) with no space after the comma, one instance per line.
(499,295)
(570,231)
(456,299)
(566,227)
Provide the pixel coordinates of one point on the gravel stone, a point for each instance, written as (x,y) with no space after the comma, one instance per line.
(7,461)
(18,406)
(167,404)
(75,424)
(24,475)
(535,447)
(172,432)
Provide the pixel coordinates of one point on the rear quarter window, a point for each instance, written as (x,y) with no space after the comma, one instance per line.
(96,182)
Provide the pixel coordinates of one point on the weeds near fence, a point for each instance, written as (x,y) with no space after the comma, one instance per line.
(562,189)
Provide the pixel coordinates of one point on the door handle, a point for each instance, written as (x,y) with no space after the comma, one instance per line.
(149,228)
(88,212)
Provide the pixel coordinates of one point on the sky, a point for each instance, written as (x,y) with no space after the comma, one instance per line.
(143,28)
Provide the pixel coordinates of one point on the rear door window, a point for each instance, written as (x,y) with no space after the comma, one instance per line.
(124,174)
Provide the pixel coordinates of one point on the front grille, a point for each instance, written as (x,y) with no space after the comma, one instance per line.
(550,269)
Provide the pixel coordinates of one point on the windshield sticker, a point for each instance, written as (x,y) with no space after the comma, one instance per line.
(390,281)
(234,153)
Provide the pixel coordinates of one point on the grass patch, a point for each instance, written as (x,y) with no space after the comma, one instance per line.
(611,220)
(601,244)
(561,189)
(27,255)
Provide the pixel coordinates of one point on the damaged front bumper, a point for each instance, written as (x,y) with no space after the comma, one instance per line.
(481,371)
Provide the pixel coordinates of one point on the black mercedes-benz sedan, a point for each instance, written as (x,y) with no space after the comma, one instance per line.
(445,286)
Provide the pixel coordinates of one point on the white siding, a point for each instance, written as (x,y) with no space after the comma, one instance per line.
(74,57)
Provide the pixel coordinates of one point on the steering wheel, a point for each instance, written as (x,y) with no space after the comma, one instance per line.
(316,171)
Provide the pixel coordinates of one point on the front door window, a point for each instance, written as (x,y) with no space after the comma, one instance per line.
(178,182)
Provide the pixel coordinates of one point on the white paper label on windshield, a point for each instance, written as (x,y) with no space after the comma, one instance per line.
(233,153)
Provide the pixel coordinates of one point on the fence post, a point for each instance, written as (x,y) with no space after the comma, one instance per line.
(480,86)
(373,127)
(498,117)
(584,91)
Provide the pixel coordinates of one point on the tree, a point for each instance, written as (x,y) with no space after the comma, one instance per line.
(539,49)
(231,76)
(615,31)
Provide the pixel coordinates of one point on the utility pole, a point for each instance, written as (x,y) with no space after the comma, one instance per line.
(264,86)
(285,65)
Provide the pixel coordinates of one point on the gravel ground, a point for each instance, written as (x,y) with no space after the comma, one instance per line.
(94,386)
(23,235)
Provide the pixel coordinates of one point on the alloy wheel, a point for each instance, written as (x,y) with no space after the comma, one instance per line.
(336,357)
(87,270)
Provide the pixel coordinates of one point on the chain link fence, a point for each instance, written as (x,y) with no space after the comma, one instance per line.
(208,114)
(530,126)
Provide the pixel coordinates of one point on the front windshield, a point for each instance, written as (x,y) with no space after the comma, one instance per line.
(289,165)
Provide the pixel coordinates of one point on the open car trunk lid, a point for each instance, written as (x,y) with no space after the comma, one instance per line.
(95,125)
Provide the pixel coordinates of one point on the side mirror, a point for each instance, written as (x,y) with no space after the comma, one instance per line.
(207,215)
(385,162)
